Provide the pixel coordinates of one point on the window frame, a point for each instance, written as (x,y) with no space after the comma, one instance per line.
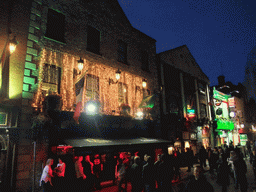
(93,92)
(54,30)
(125,98)
(92,37)
(122,50)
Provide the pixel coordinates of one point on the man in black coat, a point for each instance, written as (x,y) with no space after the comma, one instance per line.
(198,182)
(136,175)
(149,174)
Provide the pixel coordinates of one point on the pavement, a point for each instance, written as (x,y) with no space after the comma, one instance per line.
(178,186)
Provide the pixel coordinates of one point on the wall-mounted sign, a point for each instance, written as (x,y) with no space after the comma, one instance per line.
(225,124)
(193,136)
(185,135)
(220,96)
(231,102)
(243,139)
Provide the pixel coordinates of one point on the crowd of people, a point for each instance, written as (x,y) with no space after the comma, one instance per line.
(145,173)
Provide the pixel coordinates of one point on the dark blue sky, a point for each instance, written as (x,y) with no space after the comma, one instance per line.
(219,33)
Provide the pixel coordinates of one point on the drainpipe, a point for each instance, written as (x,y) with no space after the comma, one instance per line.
(34,165)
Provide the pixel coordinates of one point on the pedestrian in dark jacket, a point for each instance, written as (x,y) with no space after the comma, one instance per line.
(202,156)
(176,163)
(223,174)
(156,165)
(198,182)
(148,175)
(136,175)
(165,173)
(241,170)
(253,162)
(214,158)
(209,153)
(189,158)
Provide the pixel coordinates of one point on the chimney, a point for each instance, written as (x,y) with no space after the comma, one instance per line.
(221,80)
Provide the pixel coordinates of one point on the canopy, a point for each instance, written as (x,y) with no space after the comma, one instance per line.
(91,144)
(148,102)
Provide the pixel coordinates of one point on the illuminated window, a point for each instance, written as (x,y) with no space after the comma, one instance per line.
(122,93)
(92,87)
(55,28)
(122,51)
(52,76)
(144,61)
(93,40)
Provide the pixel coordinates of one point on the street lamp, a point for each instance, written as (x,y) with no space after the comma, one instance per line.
(144,83)
(12,44)
(118,75)
(80,64)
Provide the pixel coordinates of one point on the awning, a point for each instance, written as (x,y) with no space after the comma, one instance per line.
(148,101)
(81,143)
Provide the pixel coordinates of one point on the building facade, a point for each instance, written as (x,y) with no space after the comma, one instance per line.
(185,97)
(53,36)
(231,112)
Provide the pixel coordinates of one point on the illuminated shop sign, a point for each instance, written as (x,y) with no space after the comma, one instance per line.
(219,95)
(225,124)
(231,102)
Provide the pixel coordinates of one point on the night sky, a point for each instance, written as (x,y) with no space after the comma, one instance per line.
(219,33)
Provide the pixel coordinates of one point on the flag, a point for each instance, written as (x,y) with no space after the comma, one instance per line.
(79,86)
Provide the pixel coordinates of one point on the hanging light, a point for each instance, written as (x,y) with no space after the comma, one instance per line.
(118,74)
(80,64)
(12,44)
(144,83)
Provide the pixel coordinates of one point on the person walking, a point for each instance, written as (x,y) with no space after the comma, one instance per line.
(209,154)
(46,178)
(120,174)
(97,169)
(202,156)
(136,175)
(88,170)
(253,162)
(80,183)
(223,174)
(214,159)
(189,158)
(176,163)
(156,165)
(60,173)
(165,174)
(241,170)
(148,175)
(198,182)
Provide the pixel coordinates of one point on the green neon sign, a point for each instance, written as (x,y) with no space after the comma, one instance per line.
(219,95)
(225,125)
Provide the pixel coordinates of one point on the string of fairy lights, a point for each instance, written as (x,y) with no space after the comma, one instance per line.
(108,94)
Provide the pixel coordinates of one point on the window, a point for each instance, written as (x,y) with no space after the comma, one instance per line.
(122,93)
(92,87)
(93,40)
(55,28)
(122,51)
(52,76)
(144,61)
(202,110)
